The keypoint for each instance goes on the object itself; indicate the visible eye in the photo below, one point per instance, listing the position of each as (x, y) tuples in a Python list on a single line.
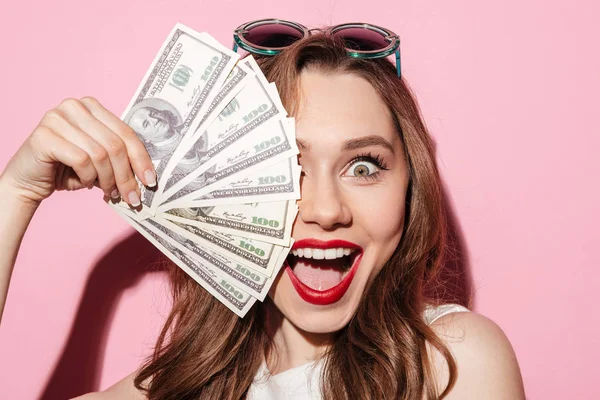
[(361, 169), (365, 166)]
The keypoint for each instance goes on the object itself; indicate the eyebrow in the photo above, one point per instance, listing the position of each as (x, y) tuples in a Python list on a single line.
[(353, 144)]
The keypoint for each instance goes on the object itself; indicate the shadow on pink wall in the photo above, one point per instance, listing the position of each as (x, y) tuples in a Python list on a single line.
[(79, 366)]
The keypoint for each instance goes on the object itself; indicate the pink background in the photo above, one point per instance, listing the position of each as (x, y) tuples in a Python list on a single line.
[(508, 88)]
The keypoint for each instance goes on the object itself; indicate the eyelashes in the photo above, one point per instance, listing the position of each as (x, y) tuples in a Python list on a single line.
[(374, 159)]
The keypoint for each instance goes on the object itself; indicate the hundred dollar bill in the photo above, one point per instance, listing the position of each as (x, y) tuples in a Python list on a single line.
[(275, 91), (259, 256), (225, 95), (250, 281), (269, 222), (224, 289), (251, 109), (277, 182), (186, 157), (275, 142), (177, 88)]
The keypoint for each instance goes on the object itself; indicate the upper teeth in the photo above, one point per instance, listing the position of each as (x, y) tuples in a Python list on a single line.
[(320, 254)]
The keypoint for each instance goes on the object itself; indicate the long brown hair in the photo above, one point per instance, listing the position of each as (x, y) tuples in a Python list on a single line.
[(206, 352)]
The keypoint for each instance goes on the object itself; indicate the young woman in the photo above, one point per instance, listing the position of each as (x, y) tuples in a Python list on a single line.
[(356, 327)]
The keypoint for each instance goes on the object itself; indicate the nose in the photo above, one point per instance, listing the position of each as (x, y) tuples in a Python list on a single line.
[(323, 203), (153, 120)]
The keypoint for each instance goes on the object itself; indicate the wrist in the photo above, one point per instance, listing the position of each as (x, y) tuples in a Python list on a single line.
[(12, 198)]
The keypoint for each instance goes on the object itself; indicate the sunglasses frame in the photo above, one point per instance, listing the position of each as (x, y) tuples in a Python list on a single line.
[(239, 39)]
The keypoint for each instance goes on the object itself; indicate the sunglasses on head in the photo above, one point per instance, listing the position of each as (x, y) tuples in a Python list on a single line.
[(268, 37)]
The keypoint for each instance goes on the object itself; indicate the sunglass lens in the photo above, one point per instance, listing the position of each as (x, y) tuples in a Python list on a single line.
[(273, 35), (362, 39)]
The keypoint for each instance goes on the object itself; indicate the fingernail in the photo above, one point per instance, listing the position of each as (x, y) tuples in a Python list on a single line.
[(150, 178), (134, 199), (115, 194)]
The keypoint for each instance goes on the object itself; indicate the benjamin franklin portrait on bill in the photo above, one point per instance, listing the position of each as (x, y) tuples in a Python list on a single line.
[(157, 123)]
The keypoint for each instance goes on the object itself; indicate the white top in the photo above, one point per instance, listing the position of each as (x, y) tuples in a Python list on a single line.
[(302, 382)]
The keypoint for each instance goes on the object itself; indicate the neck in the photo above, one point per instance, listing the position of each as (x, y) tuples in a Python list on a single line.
[(292, 346)]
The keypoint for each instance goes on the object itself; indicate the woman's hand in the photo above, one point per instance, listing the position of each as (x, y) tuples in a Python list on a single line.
[(80, 144)]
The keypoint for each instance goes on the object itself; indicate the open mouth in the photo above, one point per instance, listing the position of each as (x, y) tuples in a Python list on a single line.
[(321, 272)]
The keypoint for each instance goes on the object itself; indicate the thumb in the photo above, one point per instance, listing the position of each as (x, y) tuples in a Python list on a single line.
[(69, 181)]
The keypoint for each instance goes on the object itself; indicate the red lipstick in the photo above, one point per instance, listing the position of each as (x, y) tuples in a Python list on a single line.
[(334, 294), (321, 244)]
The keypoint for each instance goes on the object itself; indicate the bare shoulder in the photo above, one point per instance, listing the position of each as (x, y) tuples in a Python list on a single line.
[(122, 390), (486, 362)]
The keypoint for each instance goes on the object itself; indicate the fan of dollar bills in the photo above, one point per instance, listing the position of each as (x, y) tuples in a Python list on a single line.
[(225, 155)]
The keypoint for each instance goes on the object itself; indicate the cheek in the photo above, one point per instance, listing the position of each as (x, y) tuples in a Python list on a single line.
[(381, 214), (146, 133), (160, 131), (381, 219)]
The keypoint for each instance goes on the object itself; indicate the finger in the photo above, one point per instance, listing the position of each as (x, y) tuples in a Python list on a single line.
[(115, 147), (54, 147), (60, 123), (70, 180), (138, 155), (67, 179)]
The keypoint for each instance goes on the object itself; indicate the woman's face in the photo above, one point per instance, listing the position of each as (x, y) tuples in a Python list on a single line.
[(353, 201)]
